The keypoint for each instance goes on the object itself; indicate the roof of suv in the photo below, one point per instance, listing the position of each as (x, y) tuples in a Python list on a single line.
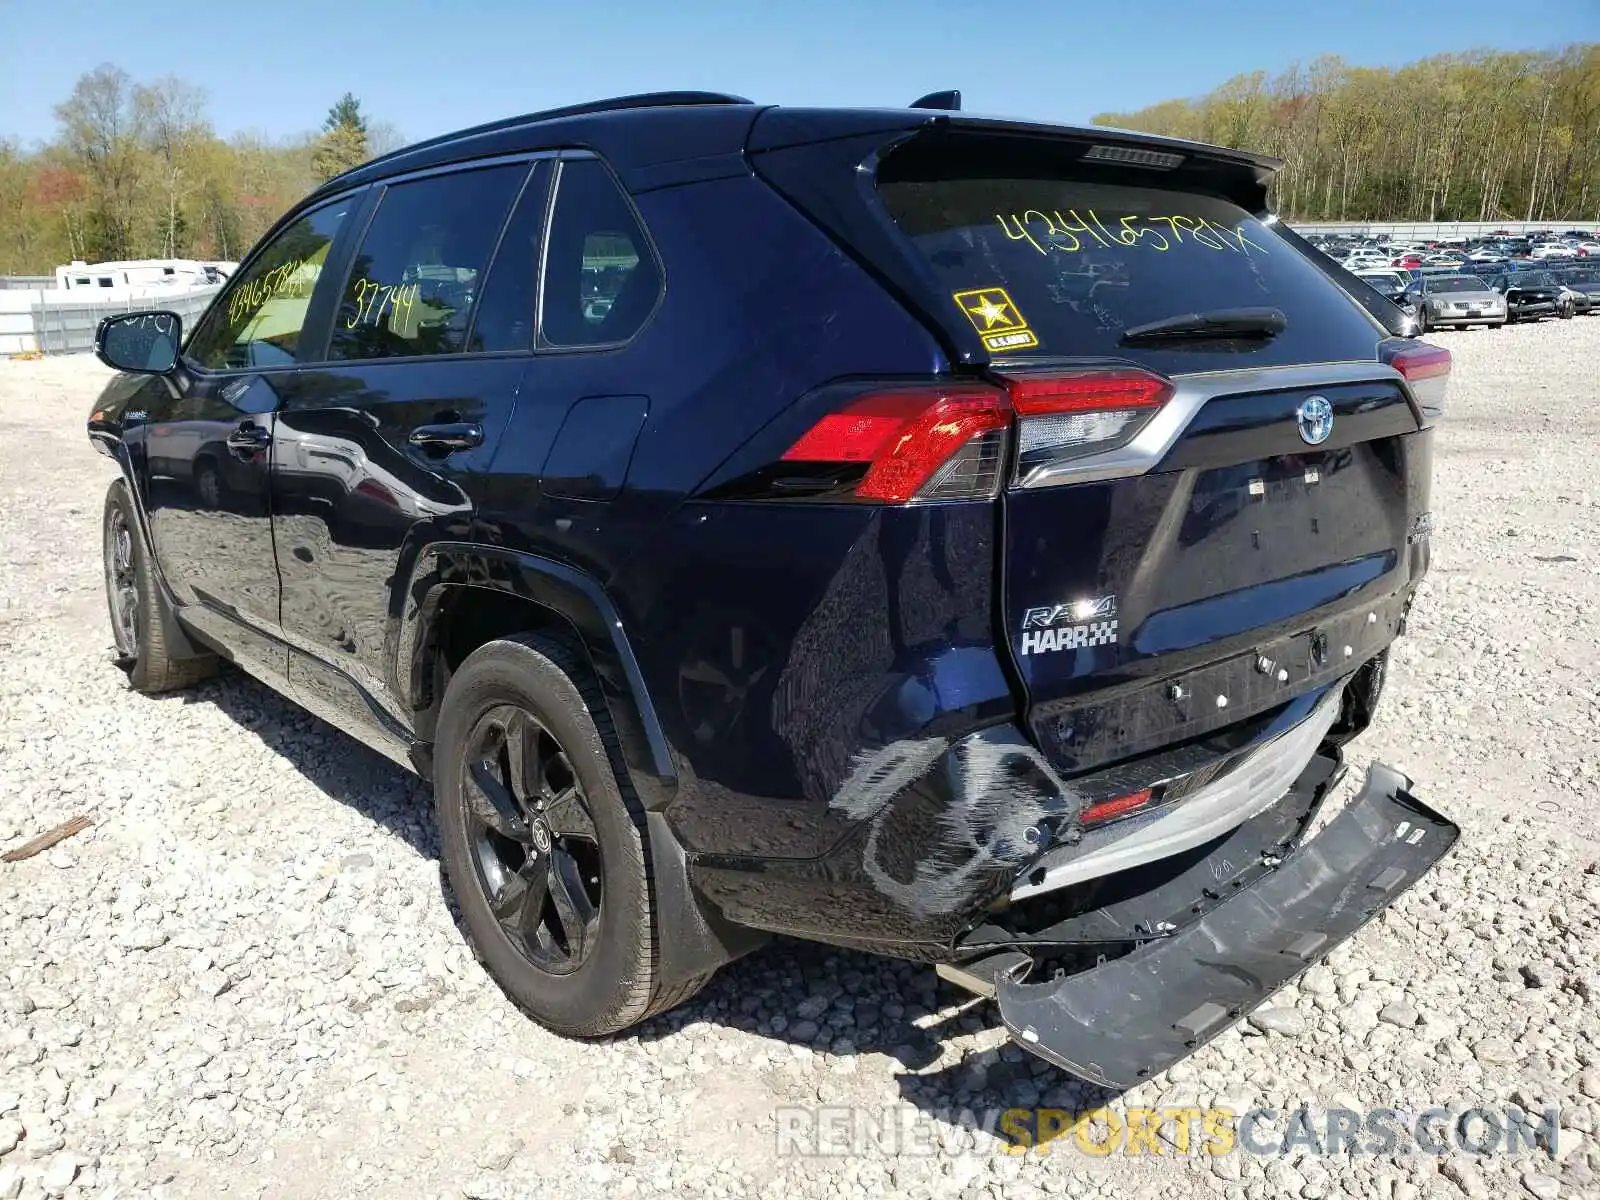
[(657, 128)]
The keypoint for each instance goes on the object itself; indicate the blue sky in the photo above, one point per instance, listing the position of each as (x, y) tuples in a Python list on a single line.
[(429, 66)]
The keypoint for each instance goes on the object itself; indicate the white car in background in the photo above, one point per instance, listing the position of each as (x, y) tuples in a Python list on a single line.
[(1552, 250)]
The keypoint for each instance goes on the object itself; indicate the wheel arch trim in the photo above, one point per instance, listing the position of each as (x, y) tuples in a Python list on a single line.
[(178, 642), (573, 596)]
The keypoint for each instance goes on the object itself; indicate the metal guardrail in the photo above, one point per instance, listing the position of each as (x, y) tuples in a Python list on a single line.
[(70, 328), (26, 283), (1424, 231)]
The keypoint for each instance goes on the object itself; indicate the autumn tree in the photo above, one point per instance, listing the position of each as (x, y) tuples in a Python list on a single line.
[(101, 130)]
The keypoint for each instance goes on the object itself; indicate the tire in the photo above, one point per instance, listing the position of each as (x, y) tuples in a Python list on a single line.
[(137, 608), (1422, 320), (495, 861), (208, 486)]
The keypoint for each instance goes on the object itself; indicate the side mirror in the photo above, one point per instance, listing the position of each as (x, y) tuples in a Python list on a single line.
[(143, 342)]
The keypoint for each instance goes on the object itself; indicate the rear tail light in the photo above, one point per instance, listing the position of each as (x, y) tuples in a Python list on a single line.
[(1067, 416), (1427, 370), (951, 441), (919, 443)]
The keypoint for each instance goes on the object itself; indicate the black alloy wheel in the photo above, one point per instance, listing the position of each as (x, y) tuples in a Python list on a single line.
[(532, 838), (134, 602), (122, 584), (544, 842)]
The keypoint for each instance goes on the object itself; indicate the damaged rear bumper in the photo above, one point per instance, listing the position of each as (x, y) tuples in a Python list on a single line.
[(1126, 1019)]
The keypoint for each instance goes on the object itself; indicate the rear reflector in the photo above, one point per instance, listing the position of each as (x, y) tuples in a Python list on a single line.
[(1086, 391), (1068, 416), (940, 442), (1120, 806), (1427, 370)]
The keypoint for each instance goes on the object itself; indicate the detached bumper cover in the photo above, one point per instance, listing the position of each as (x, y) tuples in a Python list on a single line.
[(1119, 1023)]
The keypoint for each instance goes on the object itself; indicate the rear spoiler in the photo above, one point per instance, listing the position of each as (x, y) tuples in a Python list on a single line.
[(780, 127)]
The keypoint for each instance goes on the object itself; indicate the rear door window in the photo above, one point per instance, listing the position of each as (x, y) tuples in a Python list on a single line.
[(416, 274), (1063, 262), (504, 321)]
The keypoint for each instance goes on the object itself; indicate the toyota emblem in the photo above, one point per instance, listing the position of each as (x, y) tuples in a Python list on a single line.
[(1315, 418)]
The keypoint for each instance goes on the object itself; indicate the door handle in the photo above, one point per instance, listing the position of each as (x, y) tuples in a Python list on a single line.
[(447, 437), (249, 437)]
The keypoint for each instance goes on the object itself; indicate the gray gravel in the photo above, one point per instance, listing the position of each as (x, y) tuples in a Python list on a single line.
[(245, 978)]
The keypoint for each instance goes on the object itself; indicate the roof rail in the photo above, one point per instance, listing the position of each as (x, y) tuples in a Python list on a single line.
[(615, 104)]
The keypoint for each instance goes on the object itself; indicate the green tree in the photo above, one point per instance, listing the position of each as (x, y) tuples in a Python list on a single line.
[(1490, 135), (343, 143), (172, 114)]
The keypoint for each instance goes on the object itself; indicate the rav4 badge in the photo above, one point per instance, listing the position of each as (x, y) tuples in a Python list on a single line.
[(1070, 626)]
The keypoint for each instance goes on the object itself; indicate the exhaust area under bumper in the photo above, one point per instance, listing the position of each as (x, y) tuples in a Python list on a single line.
[(1131, 1017)]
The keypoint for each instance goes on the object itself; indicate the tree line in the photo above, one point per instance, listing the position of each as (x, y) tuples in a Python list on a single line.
[(1485, 136), (137, 171)]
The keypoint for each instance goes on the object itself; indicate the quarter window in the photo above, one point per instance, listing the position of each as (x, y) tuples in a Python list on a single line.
[(413, 280), (258, 320), (601, 281)]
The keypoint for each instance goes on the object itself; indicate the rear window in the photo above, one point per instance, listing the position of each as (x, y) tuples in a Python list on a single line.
[(1063, 263), (1452, 283)]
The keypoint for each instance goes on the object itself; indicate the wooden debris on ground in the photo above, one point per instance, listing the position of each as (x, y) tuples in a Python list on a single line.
[(47, 839)]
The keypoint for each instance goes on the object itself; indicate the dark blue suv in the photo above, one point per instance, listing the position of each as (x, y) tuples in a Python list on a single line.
[(963, 539)]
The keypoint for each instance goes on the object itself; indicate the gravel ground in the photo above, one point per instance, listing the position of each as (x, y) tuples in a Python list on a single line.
[(246, 978)]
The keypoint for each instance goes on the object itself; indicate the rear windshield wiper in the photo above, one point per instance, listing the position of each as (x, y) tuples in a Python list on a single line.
[(1217, 323)]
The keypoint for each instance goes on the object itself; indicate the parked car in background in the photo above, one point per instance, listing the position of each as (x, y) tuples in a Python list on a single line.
[(1529, 295), (1390, 284), (1453, 300), (1573, 302), (1546, 250), (1488, 254), (1585, 280), (1026, 610), (1588, 249)]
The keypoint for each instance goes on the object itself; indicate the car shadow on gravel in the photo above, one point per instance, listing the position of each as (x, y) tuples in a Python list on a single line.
[(845, 1003), (332, 761), (838, 1003)]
